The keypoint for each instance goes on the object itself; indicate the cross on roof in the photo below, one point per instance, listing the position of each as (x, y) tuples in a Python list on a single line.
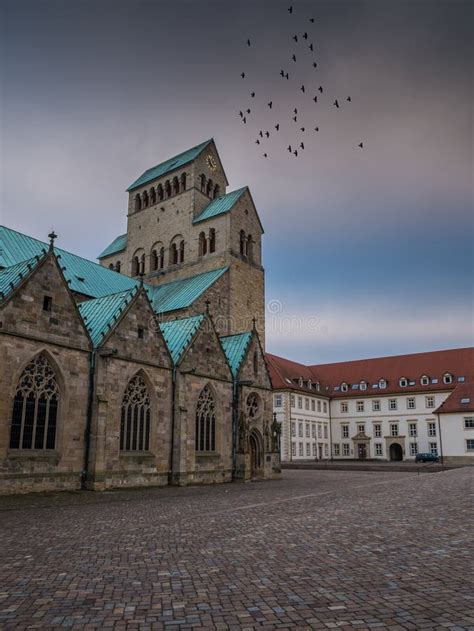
[(52, 236)]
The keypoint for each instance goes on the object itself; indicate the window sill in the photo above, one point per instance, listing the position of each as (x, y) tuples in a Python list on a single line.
[(211, 455), (47, 455), (137, 455)]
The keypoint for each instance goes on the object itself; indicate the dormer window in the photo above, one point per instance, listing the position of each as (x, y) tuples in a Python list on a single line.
[(310, 384), (363, 385), (318, 386), (300, 382), (382, 384), (344, 387), (447, 378), (403, 382), (425, 381)]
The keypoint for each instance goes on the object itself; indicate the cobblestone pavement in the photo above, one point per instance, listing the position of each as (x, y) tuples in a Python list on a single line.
[(316, 550)]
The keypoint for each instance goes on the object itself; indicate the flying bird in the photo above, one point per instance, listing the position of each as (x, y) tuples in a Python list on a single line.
[(252, 94), (260, 133), (316, 129), (244, 120), (270, 103), (286, 75), (311, 47), (243, 75), (248, 42), (320, 89), (295, 37), (336, 103), (257, 142), (295, 118), (294, 57), (290, 10), (315, 99), (277, 126), (295, 111), (302, 128), (311, 20), (267, 134), (315, 65), (282, 72), (302, 89), (361, 145), (241, 115), (349, 99), (305, 35), (265, 155), (302, 145), (248, 111), (289, 148), (295, 152)]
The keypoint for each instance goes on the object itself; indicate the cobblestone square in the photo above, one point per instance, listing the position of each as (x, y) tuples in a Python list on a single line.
[(315, 550)]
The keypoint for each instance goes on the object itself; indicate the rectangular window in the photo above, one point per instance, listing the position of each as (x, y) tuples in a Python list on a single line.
[(325, 431), (430, 402), (411, 403), (300, 403), (378, 449), (300, 429), (360, 406), (413, 449), (306, 403), (412, 431), (434, 449), (313, 430), (393, 429), (308, 430), (292, 400), (278, 400), (376, 405), (325, 406), (336, 450), (314, 449), (313, 405), (320, 432), (308, 449), (47, 303), (469, 422), (344, 407), (301, 450), (141, 333), (326, 451), (293, 449), (361, 428), (431, 429), (392, 404), (345, 431), (377, 430), (293, 428), (319, 406), (470, 444), (346, 449)]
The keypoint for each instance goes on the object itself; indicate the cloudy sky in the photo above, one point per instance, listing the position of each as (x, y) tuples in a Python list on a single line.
[(367, 252)]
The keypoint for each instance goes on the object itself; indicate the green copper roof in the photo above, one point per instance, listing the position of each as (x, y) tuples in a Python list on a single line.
[(235, 348), (178, 335), (180, 294), (85, 277), (11, 277), (169, 165), (220, 205), (118, 245), (100, 314)]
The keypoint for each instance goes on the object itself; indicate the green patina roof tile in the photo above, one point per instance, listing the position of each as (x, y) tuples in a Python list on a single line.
[(178, 335), (169, 165), (220, 205), (100, 314), (235, 347), (118, 245), (11, 277)]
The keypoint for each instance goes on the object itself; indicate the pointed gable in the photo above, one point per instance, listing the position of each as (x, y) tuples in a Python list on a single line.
[(178, 335), (101, 314), (220, 206), (235, 348), (11, 277)]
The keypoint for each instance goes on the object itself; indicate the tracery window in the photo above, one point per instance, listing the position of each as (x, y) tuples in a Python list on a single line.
[(205, 421), (253, 406), (135, 417), (35, 407)]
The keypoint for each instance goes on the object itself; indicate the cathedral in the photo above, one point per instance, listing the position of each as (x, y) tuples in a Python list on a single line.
[(149, 367)]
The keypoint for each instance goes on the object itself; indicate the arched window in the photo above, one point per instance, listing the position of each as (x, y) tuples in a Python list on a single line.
[(175, 186), (167, 188), (212, 240), (203, 183), (135, 417), (181, 251), (249, 247), (217, 190), (159, 192), (344, 387), (35, 407), (161, 258), (243, 243), (202, 244), (118, 266), (152, 196), (205, 421), (142, 264), (111, 266), (135, 266), (138, 202), (447, 378), (154, 260), (209, 187), (183, 182), (173, 254), (145, 199)]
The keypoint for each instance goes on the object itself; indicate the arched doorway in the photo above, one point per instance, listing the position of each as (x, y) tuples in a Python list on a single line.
[(396, 452), (256, 454)]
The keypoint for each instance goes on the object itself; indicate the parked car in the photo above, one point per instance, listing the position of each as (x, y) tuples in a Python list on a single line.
[(426, 458)]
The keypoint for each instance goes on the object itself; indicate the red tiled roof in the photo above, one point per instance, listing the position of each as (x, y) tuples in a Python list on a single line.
[(461, 399), (458, 362)]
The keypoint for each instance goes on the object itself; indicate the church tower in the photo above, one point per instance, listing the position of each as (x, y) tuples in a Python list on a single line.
[(182, 222)]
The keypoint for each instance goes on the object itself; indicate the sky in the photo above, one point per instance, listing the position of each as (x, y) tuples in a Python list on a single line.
[(367, 252)]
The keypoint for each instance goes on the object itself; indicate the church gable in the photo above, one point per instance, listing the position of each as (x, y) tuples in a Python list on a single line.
[(42, 306), (205, 355), (253, 366)]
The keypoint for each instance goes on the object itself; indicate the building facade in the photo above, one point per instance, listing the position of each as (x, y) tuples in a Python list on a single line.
[(390, 408), (149, 368)]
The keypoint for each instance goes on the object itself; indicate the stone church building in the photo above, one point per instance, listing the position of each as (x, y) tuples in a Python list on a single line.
[(148, 368)]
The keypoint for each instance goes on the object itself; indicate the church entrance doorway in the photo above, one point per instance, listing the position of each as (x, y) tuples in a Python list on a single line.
[(362, 451), (256, 454), (396, 452)]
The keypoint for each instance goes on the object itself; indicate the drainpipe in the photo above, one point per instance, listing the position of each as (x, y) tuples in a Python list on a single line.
[(173, 418), (330, 432), (440, 440), (235, 417), (87, 437)]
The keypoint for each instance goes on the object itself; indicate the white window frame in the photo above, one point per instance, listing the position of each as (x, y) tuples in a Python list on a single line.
[(431, 429), (433, 448), (376, 405), (430, 401), (344, 407), (413, 449), (392, 404), (411, 403), (378, 449), (413, 429), (336, 449), (394, 430), (377, 430), (346, 449), (469, 422), (345, 431)]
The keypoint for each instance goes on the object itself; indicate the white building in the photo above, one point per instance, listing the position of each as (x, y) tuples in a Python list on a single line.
[(389, 408)]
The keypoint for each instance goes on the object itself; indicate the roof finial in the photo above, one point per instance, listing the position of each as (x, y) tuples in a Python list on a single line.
[(207, 302), (52, 236), (254, 323)]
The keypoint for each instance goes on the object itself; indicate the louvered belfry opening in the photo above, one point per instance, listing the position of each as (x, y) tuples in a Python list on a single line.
[(135, 416), (35, 407)]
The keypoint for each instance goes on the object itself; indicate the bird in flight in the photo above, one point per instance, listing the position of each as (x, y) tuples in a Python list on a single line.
[(252, 94), (302, 128), (295, 37), (290, 10), (265, 155), (311, 20), (286, 75), (277, 126), (316, 129), (305, 35), (257, 142), (244, 120), (267, 134), (349, 99), (243, 75), (248, 42), (302, 89), (282, 73), (248, 111), (295, 152), (295, 118), (311, 47), (295, 111), (294, 57), (315, 65), (289, 148), (315, 99), (320, 89), (361, 145), (270, 103), (241, 115), (336, 103), (260, 133), (302, 145)]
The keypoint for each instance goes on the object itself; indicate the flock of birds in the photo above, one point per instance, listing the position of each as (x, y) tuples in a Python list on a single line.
[(245, 114)]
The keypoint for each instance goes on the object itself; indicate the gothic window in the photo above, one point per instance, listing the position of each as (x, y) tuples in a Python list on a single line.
[(135, 266), (154, 260), (35, 407), (181, 251), (212, 240), (243, 243), (205, 421), (138, 202), (135, 417), (209, 187), (173, 254), (202, 244), (253, 407), (142, 264), (183, 182), (145, 199), (167, 188), (216, 190), (161, 258), (203, 183), (152, 197), (160, 192)]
